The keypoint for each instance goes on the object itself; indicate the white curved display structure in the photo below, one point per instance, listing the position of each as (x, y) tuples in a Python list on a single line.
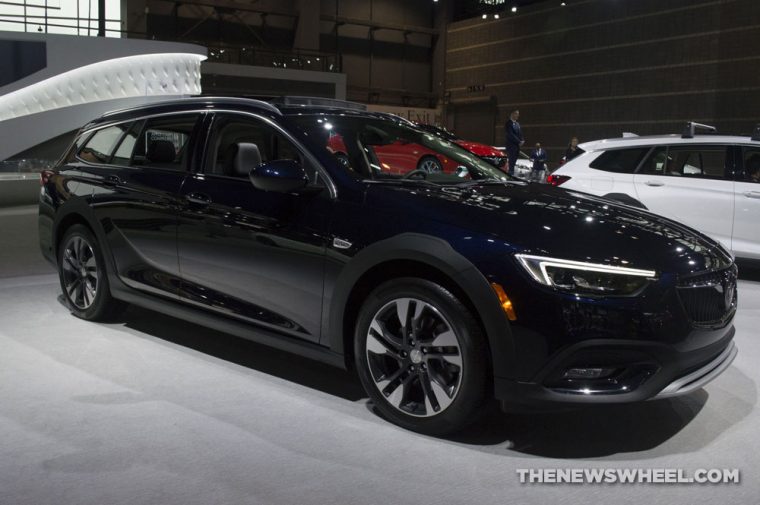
[(172, 74)]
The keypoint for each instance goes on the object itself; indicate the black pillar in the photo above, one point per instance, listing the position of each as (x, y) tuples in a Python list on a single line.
[(101, 18)]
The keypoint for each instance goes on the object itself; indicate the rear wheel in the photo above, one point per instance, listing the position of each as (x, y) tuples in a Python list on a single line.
[(420, 355), (83, 277)]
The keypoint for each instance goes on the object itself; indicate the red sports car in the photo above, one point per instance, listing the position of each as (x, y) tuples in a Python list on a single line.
[(492, 155), (398, 157)]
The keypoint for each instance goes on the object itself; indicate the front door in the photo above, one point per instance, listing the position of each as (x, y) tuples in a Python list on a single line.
[(254, 255), (746, 239), (692, 184)]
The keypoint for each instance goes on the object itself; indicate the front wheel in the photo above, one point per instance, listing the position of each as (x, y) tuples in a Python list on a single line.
[(83, 277), (430, 164), (420, 355)]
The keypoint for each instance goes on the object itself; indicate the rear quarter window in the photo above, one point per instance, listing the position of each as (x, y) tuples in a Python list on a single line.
[(621, 161), (101, 144)]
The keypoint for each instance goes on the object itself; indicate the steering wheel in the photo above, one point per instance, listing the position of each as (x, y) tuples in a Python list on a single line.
[(416, 172)]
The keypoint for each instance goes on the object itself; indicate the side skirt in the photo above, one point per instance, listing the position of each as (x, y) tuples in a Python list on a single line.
[(249, 332)]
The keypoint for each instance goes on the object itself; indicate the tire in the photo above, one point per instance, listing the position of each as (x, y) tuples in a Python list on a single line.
[(83, 276), (408, 378), (343, 159), (430, 164)]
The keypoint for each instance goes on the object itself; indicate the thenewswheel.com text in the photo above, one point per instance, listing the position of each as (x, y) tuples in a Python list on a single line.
[(627, 476)]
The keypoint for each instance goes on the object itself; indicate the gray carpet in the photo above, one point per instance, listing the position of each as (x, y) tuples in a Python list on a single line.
[(153, 410)]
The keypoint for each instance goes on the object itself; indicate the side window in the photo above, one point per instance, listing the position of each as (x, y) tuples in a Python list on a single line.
[(164, 142), (123, 153), (656, 161), (622, 161), (239, 145), (100, 145), (708, 162), (73, 152), (751, 158), (703, 162)]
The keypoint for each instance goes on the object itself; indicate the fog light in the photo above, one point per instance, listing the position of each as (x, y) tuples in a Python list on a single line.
[(588, 373), (506, 303)]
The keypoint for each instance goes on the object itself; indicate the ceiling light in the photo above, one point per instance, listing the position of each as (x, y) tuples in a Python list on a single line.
[(496, 16), (485, 16), (514, 8)]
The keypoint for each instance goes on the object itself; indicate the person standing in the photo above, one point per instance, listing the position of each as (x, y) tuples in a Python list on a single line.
[(514, 139), (538, 156), (572, 150)]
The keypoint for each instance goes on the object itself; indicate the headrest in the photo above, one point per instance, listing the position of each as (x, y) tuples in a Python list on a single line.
[(246, 158), (161, 151)]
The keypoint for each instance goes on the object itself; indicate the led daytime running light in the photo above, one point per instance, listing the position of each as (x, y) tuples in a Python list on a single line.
[(529, 262)]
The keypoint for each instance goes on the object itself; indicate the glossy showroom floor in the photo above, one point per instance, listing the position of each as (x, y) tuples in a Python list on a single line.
[(155, 411)]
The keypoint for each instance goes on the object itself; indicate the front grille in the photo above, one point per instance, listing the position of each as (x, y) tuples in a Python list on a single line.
[(709, 299)]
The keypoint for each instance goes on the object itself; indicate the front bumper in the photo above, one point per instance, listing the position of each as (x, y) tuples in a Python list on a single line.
[(645, 371), (701, 376)]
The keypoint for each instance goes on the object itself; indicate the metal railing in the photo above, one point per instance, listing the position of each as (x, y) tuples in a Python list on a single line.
[(25, 166), (264, 57)]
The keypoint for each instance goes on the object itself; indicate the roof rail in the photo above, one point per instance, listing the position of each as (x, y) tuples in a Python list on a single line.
[(629, 134), (691, 127), (394, 117), (756, 133), (200, 100), (311, 101)]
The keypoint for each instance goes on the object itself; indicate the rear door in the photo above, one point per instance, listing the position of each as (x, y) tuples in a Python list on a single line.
[(690, 183), (133, 190), (746, 237)]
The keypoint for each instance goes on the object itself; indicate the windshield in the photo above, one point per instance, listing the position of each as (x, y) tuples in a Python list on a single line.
[(383, 149)]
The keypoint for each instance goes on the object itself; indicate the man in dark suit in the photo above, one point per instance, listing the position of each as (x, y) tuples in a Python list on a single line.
[(538, 157), (514, 139)]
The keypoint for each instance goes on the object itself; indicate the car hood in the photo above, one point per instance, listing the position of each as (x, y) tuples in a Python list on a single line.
[(549, 221), (479, 149)]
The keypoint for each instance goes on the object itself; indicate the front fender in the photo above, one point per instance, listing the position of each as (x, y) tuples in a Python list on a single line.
[(438, 254)]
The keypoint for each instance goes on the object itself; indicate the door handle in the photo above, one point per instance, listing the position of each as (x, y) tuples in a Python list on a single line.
[(752, 194), (112, 180), (654, 183), (198, 199)]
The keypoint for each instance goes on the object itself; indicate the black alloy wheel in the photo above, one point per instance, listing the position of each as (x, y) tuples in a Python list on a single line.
[(421, 356)]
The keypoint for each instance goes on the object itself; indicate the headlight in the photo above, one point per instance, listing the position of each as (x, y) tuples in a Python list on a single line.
[(585, 278)]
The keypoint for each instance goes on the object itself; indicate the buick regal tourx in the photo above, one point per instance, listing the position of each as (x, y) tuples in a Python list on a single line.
[(441, 290)]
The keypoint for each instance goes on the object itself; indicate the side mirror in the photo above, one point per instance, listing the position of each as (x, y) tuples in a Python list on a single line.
[(281, 176)]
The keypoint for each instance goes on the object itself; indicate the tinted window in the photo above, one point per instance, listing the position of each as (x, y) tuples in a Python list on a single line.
[(622, 161), (100, 145), (239, 144), (751, 157), (124, 152), (164, 142), (708, 162)]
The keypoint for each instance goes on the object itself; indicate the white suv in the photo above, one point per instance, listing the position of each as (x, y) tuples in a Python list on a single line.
[(709, 182)]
